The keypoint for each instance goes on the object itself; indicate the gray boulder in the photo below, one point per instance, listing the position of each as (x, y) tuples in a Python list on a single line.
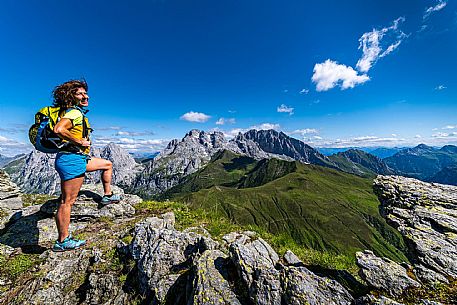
[(383, 273), (210, 285), (301, 286), (255, 263), (163, 255)]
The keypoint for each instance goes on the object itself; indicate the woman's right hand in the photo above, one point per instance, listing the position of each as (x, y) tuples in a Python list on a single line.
[(84, 142)]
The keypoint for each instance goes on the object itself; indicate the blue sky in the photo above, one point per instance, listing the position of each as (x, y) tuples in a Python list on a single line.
[(331, 73)]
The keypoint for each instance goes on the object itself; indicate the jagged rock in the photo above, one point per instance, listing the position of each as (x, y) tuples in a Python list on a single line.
[(255, 263), (105, 289), (61, 274), (163, 255), (210, 285), (10, 200), (425, 214), (372, 300), (383, 273), (291, 259), (429, 276), (301, 286)]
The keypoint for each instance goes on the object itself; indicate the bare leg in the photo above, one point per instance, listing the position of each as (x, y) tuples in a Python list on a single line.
[(70, 190), (107, 167)]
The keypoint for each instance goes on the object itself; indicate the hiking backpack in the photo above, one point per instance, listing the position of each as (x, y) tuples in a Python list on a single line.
[(42, 135)]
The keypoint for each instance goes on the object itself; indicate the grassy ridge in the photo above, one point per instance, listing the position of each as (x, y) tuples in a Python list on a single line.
[(316, 207)]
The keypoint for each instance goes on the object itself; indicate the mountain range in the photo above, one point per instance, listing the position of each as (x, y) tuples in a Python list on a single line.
[(151, 176)]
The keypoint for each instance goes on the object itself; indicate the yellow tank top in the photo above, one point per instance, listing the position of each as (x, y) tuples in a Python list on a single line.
[(76, 118)]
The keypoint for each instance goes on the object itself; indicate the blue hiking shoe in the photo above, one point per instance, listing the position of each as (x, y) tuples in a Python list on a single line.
[(68, 244), (108, 199)]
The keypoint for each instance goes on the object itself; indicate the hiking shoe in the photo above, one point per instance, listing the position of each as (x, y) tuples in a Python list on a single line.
[(108, 199), (68, 244)]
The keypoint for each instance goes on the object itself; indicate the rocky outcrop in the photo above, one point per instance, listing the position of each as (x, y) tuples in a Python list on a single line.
[(10, 200), (425, 214), (191, 268)]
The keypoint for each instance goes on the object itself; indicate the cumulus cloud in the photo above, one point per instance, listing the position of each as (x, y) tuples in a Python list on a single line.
[(438, 7), (303, 132), (223, 121), (379, 43), (195, 117), (304, 91), (440, 87), (266, 126), (286, 109), (450, 127), (330, 73)]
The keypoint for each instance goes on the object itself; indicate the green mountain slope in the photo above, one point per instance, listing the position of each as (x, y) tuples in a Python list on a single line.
[(318, 207), (422, 162), (360, 163)]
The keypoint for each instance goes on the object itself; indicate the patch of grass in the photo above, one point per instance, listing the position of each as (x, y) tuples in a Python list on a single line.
[(36, 199), (446, 294), (14, 266), (186, 217), (3, 213), (127, 239)]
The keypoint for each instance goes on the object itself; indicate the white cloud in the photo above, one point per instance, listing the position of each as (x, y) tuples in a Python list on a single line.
[(438, 7), (195, 117), (303, 132), (132, 144), (329, 74), (12, 147), (266, 126), (418, 136), (223, 121), (374, 47), (440, 87), (133, 133), (284, 108), (442, 135), (304, 91), (450, 127)]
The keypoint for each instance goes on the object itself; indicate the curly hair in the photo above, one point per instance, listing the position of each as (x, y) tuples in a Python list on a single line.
[(64, 94)]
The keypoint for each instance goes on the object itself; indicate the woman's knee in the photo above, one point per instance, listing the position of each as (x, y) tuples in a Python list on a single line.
[(109, 164)]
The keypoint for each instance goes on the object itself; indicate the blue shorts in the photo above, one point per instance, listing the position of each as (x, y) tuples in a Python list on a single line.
[(71, 165)]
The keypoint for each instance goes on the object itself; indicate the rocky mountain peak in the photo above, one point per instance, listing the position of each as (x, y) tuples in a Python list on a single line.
[(278, 143)]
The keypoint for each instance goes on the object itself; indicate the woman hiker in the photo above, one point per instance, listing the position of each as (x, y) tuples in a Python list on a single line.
[(73, 160)]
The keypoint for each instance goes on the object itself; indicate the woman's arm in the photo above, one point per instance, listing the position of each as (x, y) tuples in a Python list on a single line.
[(62, 130)]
